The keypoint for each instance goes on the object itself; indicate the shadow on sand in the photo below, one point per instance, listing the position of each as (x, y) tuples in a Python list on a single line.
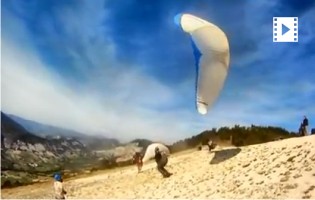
[(223, 155)]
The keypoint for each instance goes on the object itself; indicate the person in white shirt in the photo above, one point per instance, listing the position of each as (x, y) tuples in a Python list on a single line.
[(59, 190)]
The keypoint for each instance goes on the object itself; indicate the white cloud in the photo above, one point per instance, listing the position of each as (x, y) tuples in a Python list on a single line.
[(120, 103), (31, 91)]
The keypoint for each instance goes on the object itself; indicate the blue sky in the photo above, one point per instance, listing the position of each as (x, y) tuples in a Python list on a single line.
[(124, 69)]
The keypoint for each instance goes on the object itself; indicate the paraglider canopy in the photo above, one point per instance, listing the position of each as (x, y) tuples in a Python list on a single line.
[(212, 56), (150, 151)]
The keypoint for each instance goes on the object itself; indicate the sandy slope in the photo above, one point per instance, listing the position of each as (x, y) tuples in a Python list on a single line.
[(282, 169)]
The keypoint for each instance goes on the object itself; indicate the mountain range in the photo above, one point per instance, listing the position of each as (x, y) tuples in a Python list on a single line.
[(47, 131), (30, 149)]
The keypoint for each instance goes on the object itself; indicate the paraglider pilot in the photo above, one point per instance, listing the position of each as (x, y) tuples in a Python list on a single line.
[(161, 161), (137, 158)]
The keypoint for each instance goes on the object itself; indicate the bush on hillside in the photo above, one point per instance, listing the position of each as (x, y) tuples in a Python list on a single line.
[(237, 135)]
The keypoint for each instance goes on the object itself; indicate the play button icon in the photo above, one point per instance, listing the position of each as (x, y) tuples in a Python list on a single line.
[(285, 29)]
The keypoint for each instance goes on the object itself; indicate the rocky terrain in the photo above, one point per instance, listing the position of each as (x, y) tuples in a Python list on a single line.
[(25, 156), (28, 158), (283, 169), (94, 142)]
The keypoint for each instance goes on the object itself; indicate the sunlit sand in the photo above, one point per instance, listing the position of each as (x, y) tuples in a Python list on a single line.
[(281, 169)]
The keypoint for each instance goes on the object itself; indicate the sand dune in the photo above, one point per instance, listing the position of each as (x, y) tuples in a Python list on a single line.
[(281, 169)]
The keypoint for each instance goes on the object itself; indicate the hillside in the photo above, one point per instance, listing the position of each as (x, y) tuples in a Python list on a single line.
[(28, 155), (235, 136), (93, 142), (24, 156), (44, 130), (278, 170)]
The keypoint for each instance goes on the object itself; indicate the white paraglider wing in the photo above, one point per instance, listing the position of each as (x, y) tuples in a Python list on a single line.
[(212, 56), (150, 151)]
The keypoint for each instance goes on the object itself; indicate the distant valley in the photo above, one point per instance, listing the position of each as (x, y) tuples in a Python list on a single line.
[(30, 150)]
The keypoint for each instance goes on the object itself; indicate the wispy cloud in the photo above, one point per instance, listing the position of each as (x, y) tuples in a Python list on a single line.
[(127, 110), (94, 67), (123, 103)]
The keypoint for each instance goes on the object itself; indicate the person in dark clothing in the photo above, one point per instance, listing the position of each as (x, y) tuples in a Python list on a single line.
[(137, 158), (161, 161), (305, 125)]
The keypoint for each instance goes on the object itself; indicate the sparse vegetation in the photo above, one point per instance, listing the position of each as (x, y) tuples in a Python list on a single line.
[(237, 136), (22, 161)]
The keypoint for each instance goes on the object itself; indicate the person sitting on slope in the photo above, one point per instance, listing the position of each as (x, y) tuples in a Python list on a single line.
[(161, 161)]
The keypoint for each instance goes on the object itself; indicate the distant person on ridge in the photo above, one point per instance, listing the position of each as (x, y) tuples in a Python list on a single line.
[(137, 158), (59, 192), (161, 161), (305, 125)]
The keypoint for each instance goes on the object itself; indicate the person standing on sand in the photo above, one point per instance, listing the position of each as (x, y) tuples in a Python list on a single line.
[(137, 158), (305, 125), (59, 192), (161, 161)]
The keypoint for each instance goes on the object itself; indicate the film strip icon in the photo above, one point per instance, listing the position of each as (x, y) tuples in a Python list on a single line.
[(285, 29)]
